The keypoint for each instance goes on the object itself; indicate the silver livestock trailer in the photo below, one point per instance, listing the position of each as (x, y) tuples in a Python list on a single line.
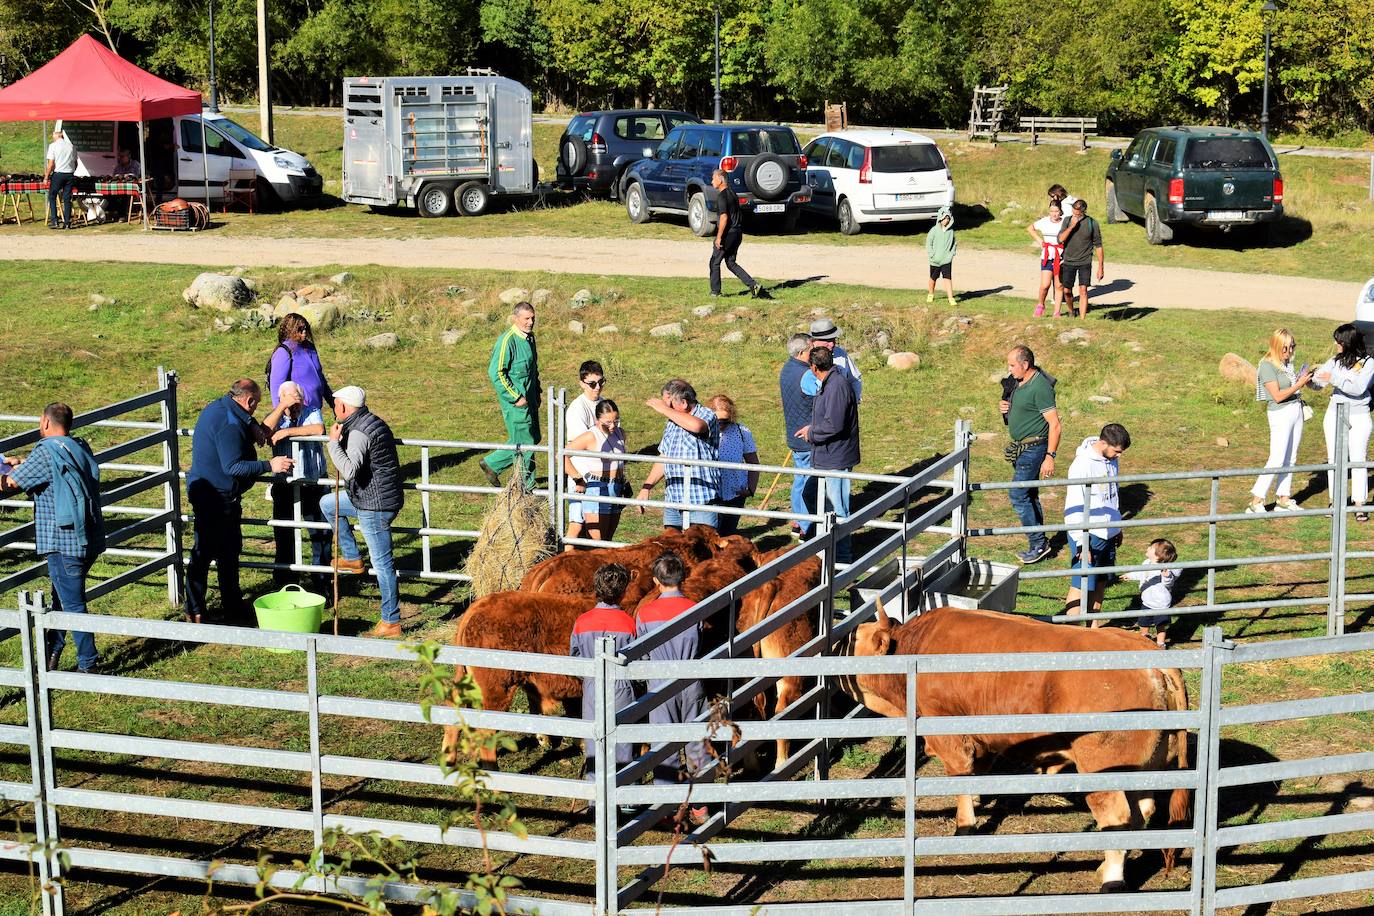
[(437, 143)]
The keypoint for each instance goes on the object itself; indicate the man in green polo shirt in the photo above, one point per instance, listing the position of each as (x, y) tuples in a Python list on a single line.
[(1033, 424), (514, 373)]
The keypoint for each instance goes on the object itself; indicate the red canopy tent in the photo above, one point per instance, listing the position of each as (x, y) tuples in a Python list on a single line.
[(89, 82)]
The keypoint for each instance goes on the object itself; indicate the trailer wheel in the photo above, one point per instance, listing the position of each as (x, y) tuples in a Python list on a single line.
[(435, 200), (472, 198)]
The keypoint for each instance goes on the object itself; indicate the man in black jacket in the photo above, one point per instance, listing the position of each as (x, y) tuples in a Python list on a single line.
[(834, 436), (364, 452)]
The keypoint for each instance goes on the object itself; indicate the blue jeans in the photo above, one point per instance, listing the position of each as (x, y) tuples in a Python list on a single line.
[(803, 489), (1103, 553), (68, 577), (60, 185), (837, 501), (376, 527), (672, 518), (1026, 500)]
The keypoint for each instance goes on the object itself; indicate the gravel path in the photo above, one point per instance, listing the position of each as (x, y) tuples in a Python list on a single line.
[(887, 266)]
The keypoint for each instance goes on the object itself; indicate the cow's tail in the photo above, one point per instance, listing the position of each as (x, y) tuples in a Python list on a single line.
[(1180, 800)]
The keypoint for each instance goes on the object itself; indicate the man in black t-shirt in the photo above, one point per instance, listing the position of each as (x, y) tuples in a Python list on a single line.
[(729, 233)]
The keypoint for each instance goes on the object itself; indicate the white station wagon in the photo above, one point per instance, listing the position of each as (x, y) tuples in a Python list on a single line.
[(876, 176)]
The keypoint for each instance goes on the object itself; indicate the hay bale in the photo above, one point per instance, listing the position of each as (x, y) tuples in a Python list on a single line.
[(514, 536)]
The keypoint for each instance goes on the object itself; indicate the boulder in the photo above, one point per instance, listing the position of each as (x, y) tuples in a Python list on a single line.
[(313, 293), (582, 295), (608, 329), (733, 337), (451, 337), (382, 341), (342, 278), (540, 297), (321, 315), (672, 329), (576, 327), (903, 361), (98, 300), (1223, 442), (1069, 336), (513, 295), (222, 324), (218, 291), (1235, 368), (882, 341), (703, 311), (1100, 399)]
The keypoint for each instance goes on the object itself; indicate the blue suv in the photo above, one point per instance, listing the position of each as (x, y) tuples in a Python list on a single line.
[(763, 164)]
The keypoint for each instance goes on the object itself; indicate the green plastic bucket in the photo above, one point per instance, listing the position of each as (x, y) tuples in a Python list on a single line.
[(291, 610)]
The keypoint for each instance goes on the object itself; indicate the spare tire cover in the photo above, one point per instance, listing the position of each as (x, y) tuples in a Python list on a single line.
[(767, 176), (573, 154)]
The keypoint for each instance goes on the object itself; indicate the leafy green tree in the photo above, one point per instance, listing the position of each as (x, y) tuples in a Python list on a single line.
[(1324, 63), (1219, 56)]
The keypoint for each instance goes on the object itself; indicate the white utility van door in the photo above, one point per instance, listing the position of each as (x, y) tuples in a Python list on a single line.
[(224, 155)]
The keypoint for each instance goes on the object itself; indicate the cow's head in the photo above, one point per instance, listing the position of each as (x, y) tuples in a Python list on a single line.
[(874, 638)]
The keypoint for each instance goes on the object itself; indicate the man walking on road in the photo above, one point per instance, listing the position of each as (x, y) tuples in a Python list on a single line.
[(1080, 238), (514, 373), (729, 233), (1033, 424), (224, 466)]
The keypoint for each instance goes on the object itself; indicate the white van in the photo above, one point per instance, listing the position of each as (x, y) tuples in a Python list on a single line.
[(876, 176), (282, 175)]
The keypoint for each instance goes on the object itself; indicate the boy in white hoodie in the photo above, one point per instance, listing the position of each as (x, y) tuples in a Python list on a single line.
[(1096, 458), (1156, 589)]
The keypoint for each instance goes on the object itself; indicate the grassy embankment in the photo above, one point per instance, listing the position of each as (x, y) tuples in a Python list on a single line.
[(1000, 190), (1159, 370)]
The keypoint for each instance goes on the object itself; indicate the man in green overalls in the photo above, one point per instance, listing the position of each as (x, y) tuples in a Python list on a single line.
[(514, 373)]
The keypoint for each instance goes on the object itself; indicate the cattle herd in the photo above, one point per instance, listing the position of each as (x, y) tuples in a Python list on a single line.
[(539, 618)]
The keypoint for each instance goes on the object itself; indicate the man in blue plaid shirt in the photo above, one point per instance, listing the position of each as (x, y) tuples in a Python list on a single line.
[(691, 431), (68, 530)]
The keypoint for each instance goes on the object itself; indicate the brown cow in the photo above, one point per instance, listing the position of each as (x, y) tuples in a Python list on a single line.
[(733, 561), (765, 601), (571, 573), (951, 631), (519, 622)]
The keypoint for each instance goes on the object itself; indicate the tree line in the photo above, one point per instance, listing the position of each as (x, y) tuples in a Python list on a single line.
[(1127, 62)]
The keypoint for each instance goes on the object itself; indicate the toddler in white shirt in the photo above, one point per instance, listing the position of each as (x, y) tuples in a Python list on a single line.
[(1156, 589)]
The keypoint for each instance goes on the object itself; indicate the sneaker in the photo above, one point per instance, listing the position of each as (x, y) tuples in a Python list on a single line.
[(353, 567), (1361, 516), (930, 297), (491, 475), (54, 660), (1039, 311), (1256, 509), (93, 668), (1033, 555), (384, 630), (758, 292), (1287, 505)]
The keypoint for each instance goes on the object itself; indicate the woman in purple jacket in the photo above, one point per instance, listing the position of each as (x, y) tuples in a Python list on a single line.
[(296, 359)]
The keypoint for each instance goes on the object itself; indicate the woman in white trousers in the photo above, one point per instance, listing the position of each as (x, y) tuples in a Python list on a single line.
[(1348, 374), (1279, 385)]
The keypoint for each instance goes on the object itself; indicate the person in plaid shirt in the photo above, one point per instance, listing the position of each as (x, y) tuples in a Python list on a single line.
[(68, 529), (691, 431)]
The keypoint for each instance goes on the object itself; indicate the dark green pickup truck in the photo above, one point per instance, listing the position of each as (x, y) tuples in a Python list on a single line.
[(1200, 176)]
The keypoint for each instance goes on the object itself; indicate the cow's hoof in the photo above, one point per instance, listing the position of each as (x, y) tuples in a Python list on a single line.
[(544, 741), (1114, 887), (970, 830)]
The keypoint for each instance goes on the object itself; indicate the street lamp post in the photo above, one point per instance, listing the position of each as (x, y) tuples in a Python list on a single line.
[(214, 92), (718, 114), (1268, 10)]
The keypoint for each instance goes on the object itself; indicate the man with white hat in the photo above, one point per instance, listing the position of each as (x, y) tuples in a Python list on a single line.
[(825, 334), (363, 451)]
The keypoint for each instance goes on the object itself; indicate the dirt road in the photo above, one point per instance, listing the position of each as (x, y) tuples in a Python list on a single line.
[(888, 266)]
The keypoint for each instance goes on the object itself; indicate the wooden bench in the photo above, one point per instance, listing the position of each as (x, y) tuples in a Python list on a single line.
[(1081, 126)]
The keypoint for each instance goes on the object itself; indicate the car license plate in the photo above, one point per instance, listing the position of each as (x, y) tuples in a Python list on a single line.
[(908, 198), (770, 208), (1226, 216)]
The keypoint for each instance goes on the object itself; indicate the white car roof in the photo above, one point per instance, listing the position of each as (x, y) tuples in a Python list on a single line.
[(871, 137)]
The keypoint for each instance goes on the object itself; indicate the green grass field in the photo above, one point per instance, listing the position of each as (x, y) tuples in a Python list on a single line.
[(1158, 369), (1000, 190)]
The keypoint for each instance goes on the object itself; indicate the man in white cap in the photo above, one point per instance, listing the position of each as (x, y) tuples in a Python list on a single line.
[(824, 334), (364, 453), (59, 172)]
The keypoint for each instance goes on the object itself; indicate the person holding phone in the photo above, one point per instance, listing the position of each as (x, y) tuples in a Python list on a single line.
[(1279, 385), (599, 476), (1348, 374)]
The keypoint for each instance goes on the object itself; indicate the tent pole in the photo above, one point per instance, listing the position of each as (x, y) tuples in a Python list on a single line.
[(143, 168), (205, 161)]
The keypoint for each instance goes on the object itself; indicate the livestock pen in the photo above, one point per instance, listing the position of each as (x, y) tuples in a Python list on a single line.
[(301, 760)]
